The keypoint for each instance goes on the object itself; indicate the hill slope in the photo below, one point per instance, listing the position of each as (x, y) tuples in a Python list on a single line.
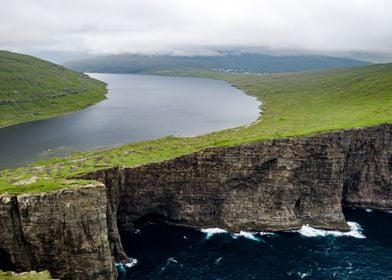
[(294, 104), (31, 89), (254, 63)]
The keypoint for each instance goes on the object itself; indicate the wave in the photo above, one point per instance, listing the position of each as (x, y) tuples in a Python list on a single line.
[(266, 233), (302, 275), (123, 266), (247, 235), (212, 231), (168, 262), (355, 231), (218, 260), (171, 260)]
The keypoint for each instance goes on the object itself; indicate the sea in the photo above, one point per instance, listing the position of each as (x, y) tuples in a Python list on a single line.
[(161, 252)]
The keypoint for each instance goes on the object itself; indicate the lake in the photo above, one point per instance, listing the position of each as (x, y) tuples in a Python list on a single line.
[(138, 107)]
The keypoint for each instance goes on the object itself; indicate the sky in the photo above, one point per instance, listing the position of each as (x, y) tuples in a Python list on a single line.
[(190, 27)]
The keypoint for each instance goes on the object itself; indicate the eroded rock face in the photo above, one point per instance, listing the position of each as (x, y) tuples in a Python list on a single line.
[(263, 186), (272, 185), (62, 231), (368, 169)]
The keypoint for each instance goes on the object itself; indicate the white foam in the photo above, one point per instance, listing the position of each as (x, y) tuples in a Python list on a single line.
[(266, 233), (211, 231), (389, 212), (131, 263), (302, 275), (173, 260), (218, 260), (246, 234), (369, 210), (355, 231), (169, 261)]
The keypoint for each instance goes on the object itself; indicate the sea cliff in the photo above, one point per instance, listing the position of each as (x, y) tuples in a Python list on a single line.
[(272, 185)]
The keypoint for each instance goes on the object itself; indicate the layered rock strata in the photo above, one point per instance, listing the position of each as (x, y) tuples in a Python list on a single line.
[(63, 231), (272, 185)]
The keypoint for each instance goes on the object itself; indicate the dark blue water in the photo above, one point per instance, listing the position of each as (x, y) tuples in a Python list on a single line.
[(138, 107), (169, 252)]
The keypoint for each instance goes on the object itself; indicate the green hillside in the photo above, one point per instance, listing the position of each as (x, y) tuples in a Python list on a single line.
[(294, 105), (32, 89)]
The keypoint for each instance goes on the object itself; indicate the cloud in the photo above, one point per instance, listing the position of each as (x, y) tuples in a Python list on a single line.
[(192, 26)]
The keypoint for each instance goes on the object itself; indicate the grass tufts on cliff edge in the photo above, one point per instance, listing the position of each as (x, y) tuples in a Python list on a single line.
[(44, 275), (294, 104), (32, 89)]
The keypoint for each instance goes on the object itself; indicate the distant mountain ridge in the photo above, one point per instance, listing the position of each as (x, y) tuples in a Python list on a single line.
[(242, 63)]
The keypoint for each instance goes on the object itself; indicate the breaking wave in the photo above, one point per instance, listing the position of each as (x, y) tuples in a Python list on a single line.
[(212, 231), (355, 231), (247, 235), (122, 267)]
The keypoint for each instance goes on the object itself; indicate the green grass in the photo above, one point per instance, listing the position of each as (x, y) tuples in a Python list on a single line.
[(294, 105), (32, 89), (44, 275)]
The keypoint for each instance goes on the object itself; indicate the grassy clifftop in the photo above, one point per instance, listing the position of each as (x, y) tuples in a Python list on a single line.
[(294, 105), (44, 275), (31, 89)]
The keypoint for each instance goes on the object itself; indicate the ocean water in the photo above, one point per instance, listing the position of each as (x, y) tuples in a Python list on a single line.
[(170, 252)]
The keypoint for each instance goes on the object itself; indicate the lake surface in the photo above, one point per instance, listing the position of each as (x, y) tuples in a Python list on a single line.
[(138, 107), (169, 252)]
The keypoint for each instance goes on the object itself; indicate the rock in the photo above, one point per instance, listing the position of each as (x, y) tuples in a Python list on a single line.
[(272, 185), (63, 231)]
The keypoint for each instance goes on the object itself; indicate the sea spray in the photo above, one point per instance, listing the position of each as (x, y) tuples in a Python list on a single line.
[(247, 235), (355, 231), (212, 231), (123, 266)]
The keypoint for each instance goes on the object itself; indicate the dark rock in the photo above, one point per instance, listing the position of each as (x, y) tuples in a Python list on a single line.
[(272, 185), (62, 231)]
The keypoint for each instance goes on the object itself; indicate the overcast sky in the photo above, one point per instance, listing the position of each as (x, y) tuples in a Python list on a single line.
[(196, 26)]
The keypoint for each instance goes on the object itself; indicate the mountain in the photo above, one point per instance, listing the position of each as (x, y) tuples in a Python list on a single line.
[(242, 63), (31, 89)]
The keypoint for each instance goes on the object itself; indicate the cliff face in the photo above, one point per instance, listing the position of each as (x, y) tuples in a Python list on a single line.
[(262, 186), (368, 169), (272, 185), (63, 231)]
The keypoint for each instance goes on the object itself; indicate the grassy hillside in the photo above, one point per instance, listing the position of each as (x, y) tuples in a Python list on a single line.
[(294, 105), (254, 63), (25, 276), (32, 89)]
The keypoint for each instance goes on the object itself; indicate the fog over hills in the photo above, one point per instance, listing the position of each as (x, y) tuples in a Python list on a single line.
[(67, 30), (232, 63)]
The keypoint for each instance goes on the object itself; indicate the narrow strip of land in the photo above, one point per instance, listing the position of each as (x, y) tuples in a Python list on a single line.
[(294, 105)]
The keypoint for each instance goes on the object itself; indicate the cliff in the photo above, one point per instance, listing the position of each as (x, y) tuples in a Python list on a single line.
[(271, 185), (63, 231)]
